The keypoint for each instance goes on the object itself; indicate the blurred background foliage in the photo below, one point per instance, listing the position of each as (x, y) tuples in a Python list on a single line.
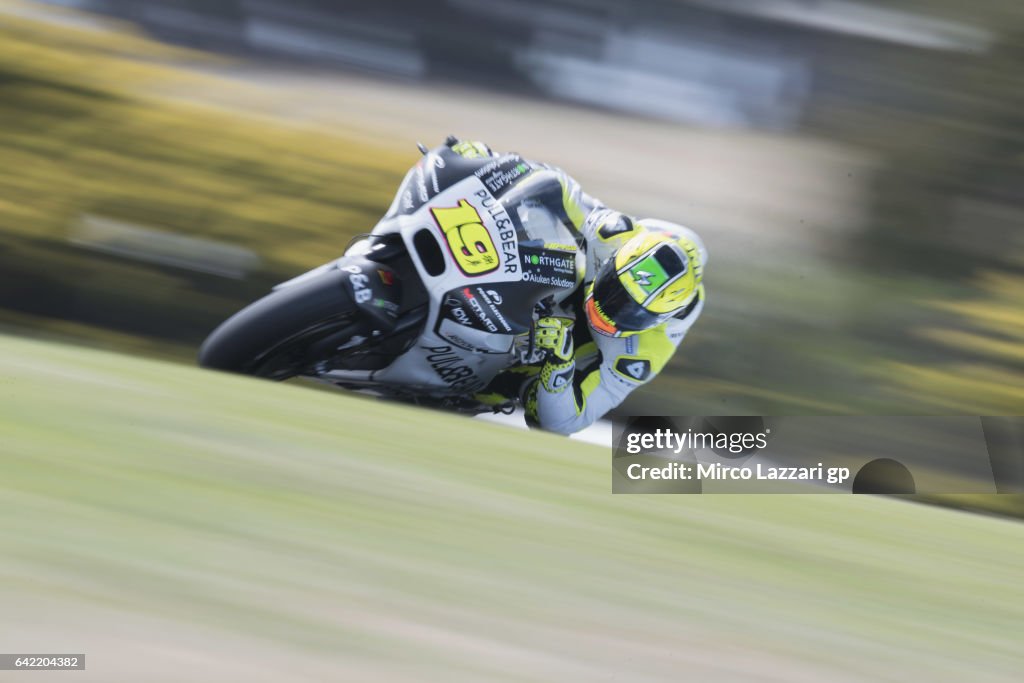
[(75, 142), (127, 164)]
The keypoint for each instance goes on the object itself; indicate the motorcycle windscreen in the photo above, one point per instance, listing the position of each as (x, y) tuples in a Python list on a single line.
[(543, 221)]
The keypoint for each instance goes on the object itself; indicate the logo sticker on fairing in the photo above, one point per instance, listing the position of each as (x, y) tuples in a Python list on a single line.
[(502, 173), (359, 283), (474, 339), (472, 243), (507, 239), (477, 308), (468, 240), (549, 266), (454, 310), (451, 368), (491, 299), (435, 162)]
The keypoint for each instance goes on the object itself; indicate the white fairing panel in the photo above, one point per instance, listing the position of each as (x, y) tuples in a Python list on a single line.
[(478, 240)]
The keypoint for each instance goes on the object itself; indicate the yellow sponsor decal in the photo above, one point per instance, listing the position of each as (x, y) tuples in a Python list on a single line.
[(470, 243)]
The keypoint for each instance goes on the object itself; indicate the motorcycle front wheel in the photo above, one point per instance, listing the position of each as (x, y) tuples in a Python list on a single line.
[(286, 333)]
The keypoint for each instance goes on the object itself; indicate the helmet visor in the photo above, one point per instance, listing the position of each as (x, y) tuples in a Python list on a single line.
[(617, 307)]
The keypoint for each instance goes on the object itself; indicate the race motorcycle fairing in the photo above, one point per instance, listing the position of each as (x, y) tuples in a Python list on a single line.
[(432, 304)]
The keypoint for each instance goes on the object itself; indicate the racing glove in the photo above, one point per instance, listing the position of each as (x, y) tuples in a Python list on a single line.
[(553, 335), (471, 149)]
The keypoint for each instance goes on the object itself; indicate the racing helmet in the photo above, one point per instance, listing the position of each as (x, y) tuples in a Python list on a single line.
[(652, 277)]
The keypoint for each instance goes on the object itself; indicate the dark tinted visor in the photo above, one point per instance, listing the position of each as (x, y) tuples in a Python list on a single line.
[(616, 303)]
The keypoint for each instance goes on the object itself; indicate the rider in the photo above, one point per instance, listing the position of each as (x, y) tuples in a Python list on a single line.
[(640, 295)]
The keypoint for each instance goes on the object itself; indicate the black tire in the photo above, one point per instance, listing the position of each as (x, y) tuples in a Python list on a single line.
[(272, 337)]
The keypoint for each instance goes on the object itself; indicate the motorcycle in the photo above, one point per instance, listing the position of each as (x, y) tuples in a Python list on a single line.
[(431, 305)]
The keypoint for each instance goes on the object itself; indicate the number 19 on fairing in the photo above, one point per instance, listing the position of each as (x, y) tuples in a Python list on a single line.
[(471, 244)]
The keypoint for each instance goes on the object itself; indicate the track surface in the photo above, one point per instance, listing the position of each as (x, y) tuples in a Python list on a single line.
[(179, 525)]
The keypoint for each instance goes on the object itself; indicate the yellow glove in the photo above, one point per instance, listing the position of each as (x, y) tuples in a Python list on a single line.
[(471, 149), (554, 336)]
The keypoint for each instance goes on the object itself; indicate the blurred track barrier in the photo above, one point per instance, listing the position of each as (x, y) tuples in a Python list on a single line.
[(161, 247)]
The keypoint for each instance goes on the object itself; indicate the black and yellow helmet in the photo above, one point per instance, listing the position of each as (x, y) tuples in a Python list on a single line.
[(652, 277)]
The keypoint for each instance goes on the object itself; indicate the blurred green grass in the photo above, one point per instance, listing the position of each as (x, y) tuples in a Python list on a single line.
[(176, 524)]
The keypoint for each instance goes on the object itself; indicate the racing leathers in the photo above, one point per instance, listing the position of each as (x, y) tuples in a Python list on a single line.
[(587, 372)]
